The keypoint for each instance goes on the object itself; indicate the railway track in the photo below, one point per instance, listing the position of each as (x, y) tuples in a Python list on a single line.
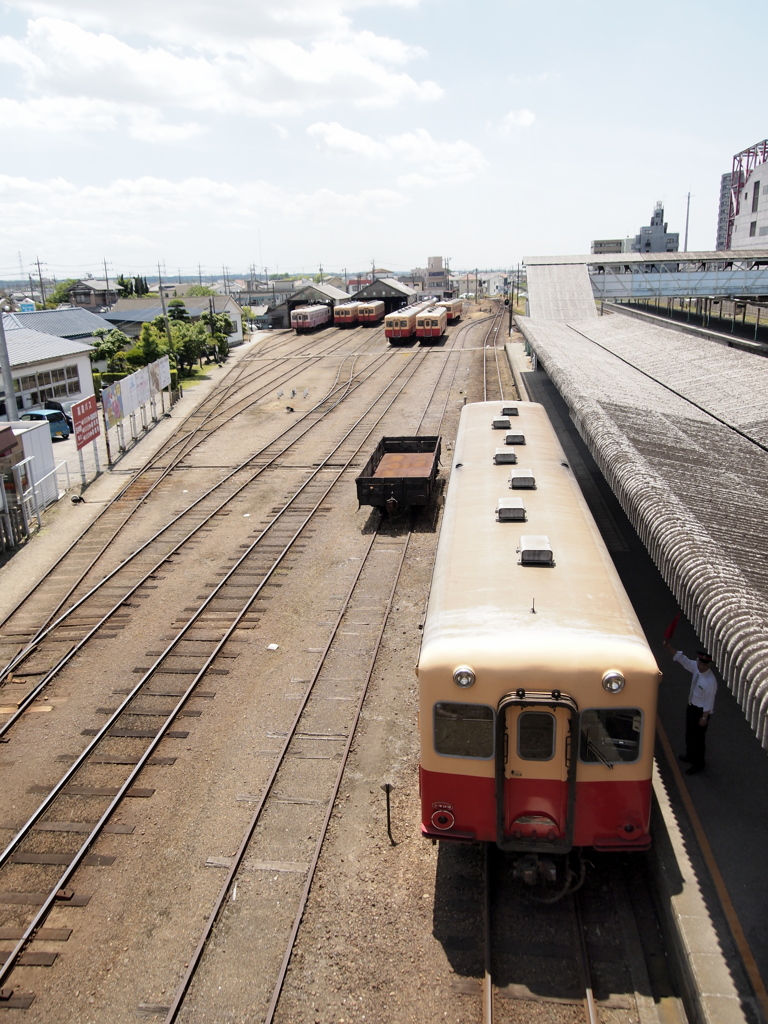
[(168, 689), (590, 956), (60, 583)]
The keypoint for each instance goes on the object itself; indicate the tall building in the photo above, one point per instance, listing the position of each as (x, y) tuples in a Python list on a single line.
[(724, 211), (601, 246), (748, 212), (654, 237)]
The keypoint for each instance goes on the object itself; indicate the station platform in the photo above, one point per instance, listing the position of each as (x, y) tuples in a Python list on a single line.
[(711, 829)]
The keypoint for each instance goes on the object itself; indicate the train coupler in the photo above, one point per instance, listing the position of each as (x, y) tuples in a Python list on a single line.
[(532, 869)]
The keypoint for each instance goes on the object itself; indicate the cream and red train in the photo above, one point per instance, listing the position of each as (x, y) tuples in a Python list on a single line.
[(537, 686), (455, 308), (402, 322), (431, 322), (346, 314), (371, 312), (305, 318)]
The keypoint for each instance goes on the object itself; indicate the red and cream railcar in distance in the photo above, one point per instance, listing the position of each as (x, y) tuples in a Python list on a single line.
[(402, 323), (455, 308), (537, 686), (431, 323), (346, 314), (304, 318), (371, 312)]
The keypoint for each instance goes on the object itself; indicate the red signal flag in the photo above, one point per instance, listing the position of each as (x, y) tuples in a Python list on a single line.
[(669, 632)]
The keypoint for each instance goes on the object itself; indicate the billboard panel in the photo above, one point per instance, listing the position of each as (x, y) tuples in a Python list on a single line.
[(85, 419)]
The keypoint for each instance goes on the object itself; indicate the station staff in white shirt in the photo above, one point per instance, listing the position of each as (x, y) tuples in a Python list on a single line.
[(701, 702)]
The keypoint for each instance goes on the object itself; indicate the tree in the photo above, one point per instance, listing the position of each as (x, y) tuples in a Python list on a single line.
[(199, 291), (220, 325), (178, 311), (110, 346), (60, 293), (190, 342), (150, 343), (125, 287)]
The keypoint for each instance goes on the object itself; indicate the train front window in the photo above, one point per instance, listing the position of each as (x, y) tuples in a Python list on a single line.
[(536, 736), (464, 730), (610, 736)]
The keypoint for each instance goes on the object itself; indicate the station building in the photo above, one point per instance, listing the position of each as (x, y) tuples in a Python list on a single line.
[(44, 366)]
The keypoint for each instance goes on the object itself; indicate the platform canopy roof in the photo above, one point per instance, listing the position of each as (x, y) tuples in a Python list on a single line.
[(724, 256)]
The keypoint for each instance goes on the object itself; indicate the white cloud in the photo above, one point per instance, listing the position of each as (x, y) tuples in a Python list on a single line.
[(132, 218), (444, 161), (184, 22), (253, 73), (516, 119), (78, 115)]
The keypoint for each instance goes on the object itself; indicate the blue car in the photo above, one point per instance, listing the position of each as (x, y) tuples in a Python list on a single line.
[(57, 421)]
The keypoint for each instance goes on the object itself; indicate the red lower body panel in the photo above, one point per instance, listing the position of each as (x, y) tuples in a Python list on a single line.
[(607, 815)]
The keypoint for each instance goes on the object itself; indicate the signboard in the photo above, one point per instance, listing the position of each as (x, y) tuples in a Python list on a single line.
[(142, 385), (85, 419), (112, 401)]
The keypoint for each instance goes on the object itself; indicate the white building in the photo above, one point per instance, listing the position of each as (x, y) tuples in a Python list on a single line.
[(45, 367), (750, 225)]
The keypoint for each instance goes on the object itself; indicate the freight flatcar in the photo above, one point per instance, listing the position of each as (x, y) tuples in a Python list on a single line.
[(537, 686), (304, 318), (346, 314), (431, 323), (455, 308), (371, 312), (402, 323)]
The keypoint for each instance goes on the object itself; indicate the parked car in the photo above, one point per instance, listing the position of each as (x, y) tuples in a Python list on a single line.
[(57, 421), (57, 405)]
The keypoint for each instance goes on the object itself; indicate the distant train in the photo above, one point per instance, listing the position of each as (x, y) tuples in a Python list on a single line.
[(537, 686), (346, 314), (371, 312), (431, 322), (304, 318), (402, 323), (455, 308)]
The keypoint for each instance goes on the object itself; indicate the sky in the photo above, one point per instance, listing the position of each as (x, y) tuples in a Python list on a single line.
[(336, 133)]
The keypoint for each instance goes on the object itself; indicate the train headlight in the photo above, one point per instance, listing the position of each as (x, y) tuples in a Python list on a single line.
[(613, 681), (463, 676)]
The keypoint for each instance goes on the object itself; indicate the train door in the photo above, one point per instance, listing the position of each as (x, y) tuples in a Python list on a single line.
[(535, 771)]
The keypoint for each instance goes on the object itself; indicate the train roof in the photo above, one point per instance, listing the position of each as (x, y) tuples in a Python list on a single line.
[(309, 309), (486, 607)]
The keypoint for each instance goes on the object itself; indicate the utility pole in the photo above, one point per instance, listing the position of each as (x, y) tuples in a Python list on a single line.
[(106, 278), (11, 410), (40, 276), (373, 271), (200, 274), (165, 312), (321, 273), (687, 213)]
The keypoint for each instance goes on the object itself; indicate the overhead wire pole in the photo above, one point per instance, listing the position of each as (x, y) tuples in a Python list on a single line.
[(40, 278), (687, 214), (11, 409), (165, 311), (106, 278)]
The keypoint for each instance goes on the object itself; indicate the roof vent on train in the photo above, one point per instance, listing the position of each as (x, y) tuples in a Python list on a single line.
[(510, 410), (514, 439), (522, 479), (535, 549), (501, 423), (510, 510), (503, 455)]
